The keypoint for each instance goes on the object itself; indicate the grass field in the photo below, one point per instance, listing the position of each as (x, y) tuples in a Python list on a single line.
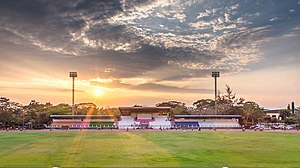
[(149, 149)]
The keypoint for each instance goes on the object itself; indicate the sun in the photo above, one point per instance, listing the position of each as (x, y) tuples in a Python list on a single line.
[(98, 92)]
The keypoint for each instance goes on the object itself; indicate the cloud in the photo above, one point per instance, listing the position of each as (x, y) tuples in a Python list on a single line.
[(149, 87), (291, 10), (202, 14), (294, 32), (50, 26), (39, 89), (227, 17), (170, 89), (159, 39), (274, 19)]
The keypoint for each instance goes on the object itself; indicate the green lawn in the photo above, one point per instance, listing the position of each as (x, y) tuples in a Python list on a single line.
[(149, 149)]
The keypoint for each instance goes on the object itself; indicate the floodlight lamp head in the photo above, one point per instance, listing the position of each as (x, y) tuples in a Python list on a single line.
[(73, 74), (215, 74)]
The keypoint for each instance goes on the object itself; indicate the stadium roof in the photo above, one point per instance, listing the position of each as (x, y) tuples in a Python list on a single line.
[(144, 108), (273, 111), (129, 110), (207, 116), (81, 116)]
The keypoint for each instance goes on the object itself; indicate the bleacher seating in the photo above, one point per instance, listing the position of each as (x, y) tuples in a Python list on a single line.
[(219, 123), (85, 123), (187, 124), (126, 122), (160, 122)]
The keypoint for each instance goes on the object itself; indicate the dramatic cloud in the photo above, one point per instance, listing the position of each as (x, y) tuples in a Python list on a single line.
[(163, 40)]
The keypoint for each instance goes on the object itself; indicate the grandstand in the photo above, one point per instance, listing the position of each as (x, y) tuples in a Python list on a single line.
[(207, 121), (161, 122), (126, 122), (144, 117), (82, 121)]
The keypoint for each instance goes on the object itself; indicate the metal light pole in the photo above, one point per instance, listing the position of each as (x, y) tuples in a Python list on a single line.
[(73, 75), (215, 75)]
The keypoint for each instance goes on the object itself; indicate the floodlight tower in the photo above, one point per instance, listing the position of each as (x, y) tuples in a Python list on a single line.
[(215, 75), (73, 75)]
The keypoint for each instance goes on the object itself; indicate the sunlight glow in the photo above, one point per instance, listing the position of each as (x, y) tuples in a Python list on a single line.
[(98, 92)]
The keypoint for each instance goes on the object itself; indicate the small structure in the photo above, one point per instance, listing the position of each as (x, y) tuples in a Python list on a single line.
[(273, 114), (144, 118)]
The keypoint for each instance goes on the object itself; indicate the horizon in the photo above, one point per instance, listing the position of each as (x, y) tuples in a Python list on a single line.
[(146, 52)]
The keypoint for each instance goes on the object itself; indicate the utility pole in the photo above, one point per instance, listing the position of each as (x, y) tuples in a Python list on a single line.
[(215, 75), (73, 75)]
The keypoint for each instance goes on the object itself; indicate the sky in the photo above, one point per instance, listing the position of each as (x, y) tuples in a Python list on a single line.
[(129, 52)]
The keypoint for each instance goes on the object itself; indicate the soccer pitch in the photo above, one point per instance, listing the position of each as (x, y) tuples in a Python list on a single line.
[(149, 149)]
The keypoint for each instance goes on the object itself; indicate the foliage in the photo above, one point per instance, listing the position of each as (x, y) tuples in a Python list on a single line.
[(36, 115), (10, 113), (171, 104), (285, 113), (204, 106), (293, 118), (85, 108), (61, 109), (177, 107), (251, 113), (227, 103)]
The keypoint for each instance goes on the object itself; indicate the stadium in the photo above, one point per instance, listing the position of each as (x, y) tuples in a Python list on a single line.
[(145, 118), (154, 83)]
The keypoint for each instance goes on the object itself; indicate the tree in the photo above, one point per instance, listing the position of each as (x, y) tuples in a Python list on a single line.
[(251, 112), (288, 107), (284, 114), (204, 106), (9, 113), (297, 109), (60, 109), (5, 117), (4, 114), (177, 107), (37, 114), (171, 104), (292, 118), (85, 108), (297, 115), (229, 94), (227, 103)]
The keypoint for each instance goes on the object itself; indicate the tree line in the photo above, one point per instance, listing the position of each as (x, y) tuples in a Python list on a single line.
[(229, 104), (36, 115)]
